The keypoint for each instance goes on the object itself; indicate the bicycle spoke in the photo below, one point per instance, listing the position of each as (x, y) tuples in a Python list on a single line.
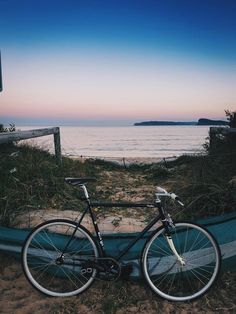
[(49, 283), (74, 284), (190, 282), (160, 282), (172, 281), (50, 242), (168, 251), (41, 248), (75, 277), (195, 274), (42, 273), (185, 241), (199, 257), (201, 267), (39, 267), (196, 243)]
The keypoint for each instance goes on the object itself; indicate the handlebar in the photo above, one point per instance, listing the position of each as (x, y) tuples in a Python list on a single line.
[(173, 196)]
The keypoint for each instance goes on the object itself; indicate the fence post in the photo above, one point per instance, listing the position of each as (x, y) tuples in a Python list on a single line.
[(57, 145), (0, 74)]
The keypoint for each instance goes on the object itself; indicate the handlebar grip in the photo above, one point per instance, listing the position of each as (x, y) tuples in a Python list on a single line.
[(163, 192), (176, 198), (178, 201)]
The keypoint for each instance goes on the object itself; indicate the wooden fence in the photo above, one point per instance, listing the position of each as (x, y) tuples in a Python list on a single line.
[(7, 137)]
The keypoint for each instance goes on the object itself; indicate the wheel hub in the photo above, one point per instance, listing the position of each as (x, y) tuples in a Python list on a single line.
[(60, 260)]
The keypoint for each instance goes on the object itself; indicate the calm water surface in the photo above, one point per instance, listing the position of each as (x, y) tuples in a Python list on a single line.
[(130, 141)]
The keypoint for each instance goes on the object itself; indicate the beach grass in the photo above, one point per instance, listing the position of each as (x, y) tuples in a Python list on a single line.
[(31, 180)]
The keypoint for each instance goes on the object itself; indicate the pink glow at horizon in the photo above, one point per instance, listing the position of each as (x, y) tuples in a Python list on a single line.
[(88, 87)]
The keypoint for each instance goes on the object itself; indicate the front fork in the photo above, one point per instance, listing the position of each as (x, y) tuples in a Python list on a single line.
[(173, 249), (168, 223)]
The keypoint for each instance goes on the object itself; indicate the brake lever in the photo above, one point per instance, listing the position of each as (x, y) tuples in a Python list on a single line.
[(180, 203)]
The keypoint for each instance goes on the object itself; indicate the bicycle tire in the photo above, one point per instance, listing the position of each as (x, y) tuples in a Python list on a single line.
[(42, 251), (164, 273)]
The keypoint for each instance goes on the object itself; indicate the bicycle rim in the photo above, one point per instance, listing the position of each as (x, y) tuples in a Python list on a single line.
[(52, 272), (167, 276)]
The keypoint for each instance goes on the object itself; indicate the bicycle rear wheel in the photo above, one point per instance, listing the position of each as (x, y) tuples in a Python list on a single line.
[(54, 270), (165, 274)]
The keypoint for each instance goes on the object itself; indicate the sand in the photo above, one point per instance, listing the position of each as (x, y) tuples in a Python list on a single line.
[(122, 297), (127, 160)]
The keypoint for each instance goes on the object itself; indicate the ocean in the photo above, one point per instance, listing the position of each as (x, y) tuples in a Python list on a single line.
[(126, 141)]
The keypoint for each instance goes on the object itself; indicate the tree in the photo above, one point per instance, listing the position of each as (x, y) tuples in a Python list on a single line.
[(231, 117)]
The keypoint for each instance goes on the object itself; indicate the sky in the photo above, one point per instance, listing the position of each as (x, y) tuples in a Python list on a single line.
[(75, 61)]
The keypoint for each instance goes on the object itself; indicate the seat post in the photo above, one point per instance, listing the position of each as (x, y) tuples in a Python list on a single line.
[(85, 191)]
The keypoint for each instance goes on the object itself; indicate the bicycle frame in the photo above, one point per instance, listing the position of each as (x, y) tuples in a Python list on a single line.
[(90, 205), (166, 222)]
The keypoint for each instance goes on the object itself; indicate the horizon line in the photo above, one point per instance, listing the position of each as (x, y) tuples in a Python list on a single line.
[(6, 120)]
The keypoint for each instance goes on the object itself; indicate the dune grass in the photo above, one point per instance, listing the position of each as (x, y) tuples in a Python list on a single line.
[(31, 179)]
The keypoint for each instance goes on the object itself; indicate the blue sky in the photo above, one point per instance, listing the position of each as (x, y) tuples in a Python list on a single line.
[(117, 59)]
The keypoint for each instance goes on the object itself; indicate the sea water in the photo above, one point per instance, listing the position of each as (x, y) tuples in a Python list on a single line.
[(126, 141)]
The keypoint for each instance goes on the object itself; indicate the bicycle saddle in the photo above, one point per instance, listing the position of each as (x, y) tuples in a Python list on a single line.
[(77, 181)]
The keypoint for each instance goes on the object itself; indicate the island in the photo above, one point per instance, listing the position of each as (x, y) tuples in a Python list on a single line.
[(151, 123), (202, 121)]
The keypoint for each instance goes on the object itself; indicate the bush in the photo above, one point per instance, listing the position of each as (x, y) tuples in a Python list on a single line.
[(231, 117), (159, 172), (11, 128)]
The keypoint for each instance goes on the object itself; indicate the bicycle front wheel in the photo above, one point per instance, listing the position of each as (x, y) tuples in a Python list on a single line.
[(177, 281), (56, 258)]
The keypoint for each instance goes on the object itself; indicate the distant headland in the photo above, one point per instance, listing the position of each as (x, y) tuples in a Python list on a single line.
[(202, 121)]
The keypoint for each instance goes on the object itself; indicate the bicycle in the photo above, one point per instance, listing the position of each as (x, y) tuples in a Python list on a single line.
[(180, 261)]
